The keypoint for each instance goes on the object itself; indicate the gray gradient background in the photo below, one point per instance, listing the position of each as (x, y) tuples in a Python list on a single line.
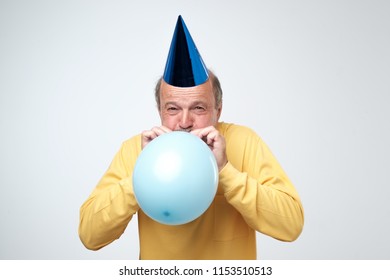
[(311, 77)]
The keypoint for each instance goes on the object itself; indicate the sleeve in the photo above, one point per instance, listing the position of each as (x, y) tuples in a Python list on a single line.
[(106, 213), (257, 187)]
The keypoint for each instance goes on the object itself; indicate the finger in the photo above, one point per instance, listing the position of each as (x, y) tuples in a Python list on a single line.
[(212, 137), (165, 129), (149, 134), (158, 130), (202, 132), (209, 135)]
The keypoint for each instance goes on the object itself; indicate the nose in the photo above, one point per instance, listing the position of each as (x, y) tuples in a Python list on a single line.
[(186, 120)]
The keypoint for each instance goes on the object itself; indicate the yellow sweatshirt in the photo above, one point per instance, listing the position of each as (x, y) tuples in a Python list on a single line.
[(254, 194)]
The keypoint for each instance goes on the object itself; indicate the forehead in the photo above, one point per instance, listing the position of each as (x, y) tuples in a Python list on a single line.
[(201, 92)]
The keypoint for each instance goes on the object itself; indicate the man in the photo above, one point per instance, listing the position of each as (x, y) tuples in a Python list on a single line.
[(254, 194)]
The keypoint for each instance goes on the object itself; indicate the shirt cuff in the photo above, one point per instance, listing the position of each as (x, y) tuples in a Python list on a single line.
[(229, 178)]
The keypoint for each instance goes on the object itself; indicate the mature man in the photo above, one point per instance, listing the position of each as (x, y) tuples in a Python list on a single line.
[(254, 193)]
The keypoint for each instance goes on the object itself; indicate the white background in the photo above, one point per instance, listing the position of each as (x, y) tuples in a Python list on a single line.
[(310, 77)]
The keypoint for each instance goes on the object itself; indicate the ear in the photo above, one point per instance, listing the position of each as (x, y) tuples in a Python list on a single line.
[(219, 111)]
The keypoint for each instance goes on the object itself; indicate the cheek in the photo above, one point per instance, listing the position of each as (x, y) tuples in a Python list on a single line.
[(205, 120), (169, 121)]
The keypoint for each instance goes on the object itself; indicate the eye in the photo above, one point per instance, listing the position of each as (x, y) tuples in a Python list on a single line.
[(199, 108), (172, 110)]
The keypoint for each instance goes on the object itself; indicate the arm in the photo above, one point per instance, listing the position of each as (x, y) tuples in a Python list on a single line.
[(105, 214), (255, 184)]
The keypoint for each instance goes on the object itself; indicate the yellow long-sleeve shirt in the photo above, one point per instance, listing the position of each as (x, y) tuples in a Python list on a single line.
[(254, 194)]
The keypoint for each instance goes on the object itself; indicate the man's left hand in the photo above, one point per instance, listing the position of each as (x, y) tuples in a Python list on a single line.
[(211, 136)]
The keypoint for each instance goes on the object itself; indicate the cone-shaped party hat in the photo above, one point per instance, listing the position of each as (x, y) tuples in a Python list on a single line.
[(184, 67)]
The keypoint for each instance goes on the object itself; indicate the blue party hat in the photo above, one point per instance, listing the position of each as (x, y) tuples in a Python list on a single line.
[(184, 67)]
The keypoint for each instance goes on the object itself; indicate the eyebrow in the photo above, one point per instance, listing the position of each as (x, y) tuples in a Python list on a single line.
[(194, 103), (170, 103)]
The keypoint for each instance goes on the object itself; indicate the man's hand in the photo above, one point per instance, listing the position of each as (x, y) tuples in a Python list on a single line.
[(149, 135), (211, 136)]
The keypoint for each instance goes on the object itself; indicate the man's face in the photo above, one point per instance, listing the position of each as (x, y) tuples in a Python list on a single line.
[(188, 108)]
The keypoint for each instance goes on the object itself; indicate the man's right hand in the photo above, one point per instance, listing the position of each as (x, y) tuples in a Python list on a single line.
[(149, 135)]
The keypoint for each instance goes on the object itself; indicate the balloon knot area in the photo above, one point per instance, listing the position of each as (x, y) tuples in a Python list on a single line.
[(166, 213)]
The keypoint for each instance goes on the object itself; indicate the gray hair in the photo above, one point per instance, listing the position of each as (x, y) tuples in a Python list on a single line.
[(217, 90)]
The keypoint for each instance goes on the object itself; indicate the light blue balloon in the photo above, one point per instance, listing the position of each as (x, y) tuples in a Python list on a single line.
[(175, 178)]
